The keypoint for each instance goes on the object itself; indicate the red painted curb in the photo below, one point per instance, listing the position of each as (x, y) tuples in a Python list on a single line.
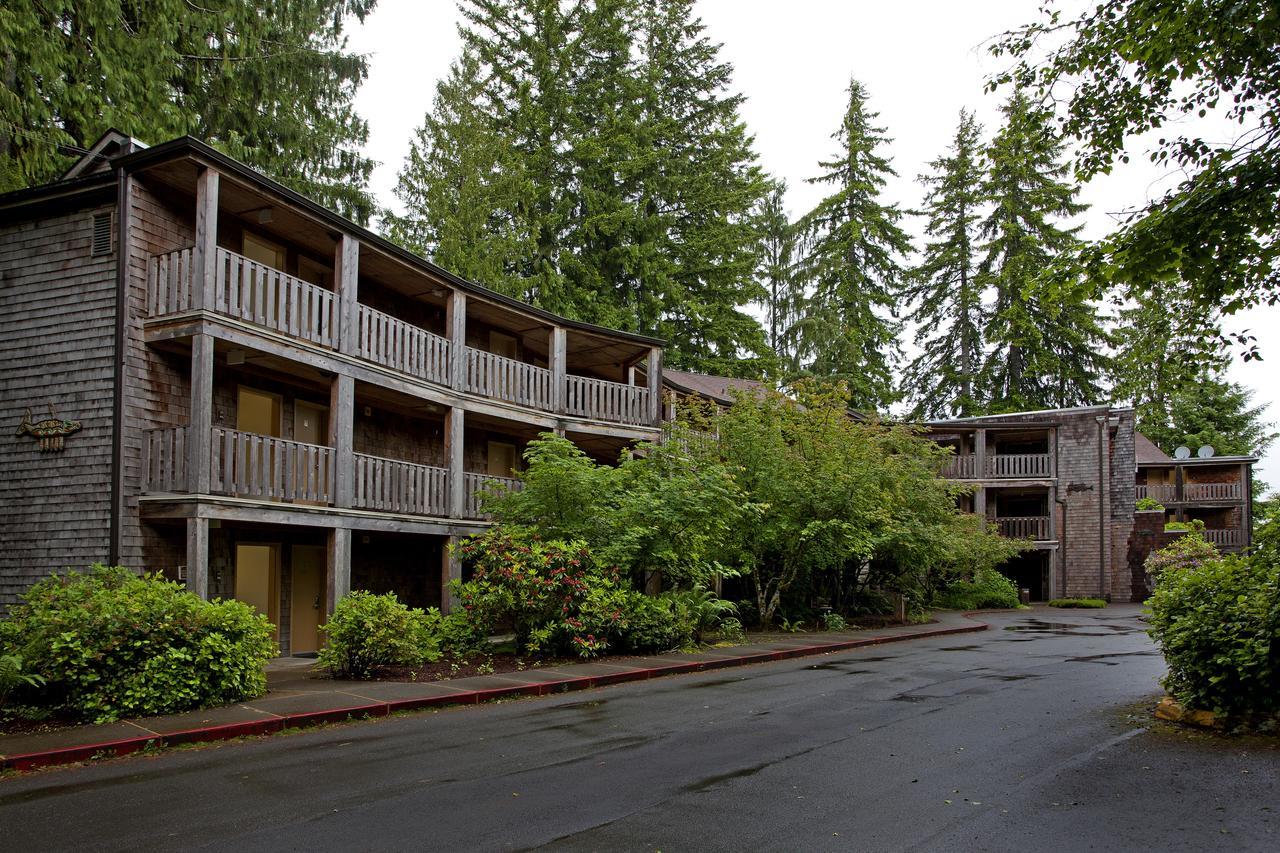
[(73, 754)]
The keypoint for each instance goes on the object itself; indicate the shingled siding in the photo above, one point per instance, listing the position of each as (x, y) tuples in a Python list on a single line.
[(57, 309), (157, 384)]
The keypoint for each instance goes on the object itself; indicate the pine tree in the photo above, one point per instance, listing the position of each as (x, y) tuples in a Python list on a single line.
[(949, 313), (272, 87), (853, 244), (1045, 339), (777, 277)]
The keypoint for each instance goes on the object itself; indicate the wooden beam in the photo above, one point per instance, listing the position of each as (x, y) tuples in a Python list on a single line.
[(204, 257), (198, 556), (342, 404), (455, 319), (454, 422), (337, 566), (557, 357), (450, 570), (980, 454), (655, 385), (346, 285), (199, 439)]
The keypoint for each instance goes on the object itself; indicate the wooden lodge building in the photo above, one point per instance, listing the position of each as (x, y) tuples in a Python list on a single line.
[(213, 376)]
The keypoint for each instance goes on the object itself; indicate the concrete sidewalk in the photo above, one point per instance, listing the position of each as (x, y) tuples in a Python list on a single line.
[(297, 697)]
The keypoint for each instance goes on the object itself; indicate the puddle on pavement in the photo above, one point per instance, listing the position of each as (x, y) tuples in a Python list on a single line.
[(959, 648), (907, 697), (1071, 629), (716, 682), (1102, 659), (578, 706), (712, 781), (998, 677)]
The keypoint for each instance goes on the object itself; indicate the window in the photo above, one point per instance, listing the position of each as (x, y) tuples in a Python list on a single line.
[(101, 244)]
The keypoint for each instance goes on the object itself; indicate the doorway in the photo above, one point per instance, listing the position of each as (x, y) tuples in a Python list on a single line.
[(258, 580), (310, 422), (306, 599), (258, 411)]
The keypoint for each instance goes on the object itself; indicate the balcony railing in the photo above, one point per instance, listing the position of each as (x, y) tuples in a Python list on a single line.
[(244, 464), (1212, 491), (1011, 466), (1024, 527), (388, 485), (266, 297), (960, 467), (1232, 538), (1162, 492)]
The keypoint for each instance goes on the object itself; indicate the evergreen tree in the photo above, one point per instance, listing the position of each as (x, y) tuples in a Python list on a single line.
[(776, 274), (1045, 339), (949, 313), (853, 244), (270, 86), (609, 167)]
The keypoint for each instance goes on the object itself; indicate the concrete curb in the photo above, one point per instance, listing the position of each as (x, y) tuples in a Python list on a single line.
[(228, 731)]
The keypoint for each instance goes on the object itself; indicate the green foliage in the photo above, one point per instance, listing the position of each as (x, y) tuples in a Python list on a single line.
[(1082, 603), (949, 314), (1195, 525), (832, 621), (1148, 505), (12, 676), (1185, 552), (1129, 67), (791, 626), (110, 644), (590, 158), (701, 610), (368, 632), (273, 87), (853, 246), (731, 631), (987, 590), (1217, 622), (657, 512), (781, 285), (849, 507)]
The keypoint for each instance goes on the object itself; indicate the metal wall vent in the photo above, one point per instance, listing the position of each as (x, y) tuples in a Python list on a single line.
[(101, 234)]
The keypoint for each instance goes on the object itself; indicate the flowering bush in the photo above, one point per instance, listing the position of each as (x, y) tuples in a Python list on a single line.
[(108, 644), (1185, 552)]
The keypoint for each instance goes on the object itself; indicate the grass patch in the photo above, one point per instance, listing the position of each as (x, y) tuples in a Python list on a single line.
[(1089, 603)]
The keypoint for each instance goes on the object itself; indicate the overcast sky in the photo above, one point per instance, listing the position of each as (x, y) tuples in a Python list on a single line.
[(922, 60)]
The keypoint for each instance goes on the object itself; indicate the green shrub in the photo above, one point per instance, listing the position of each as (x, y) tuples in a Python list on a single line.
[(12, 676), (701, 609), (1185, 552), (1086, 603), (731, 631), (988, 590), (1148, 505), (368, 632), (832, 621), (1216, 621), (109, 644)]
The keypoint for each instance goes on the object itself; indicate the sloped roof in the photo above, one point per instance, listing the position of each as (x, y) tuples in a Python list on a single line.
[(1145, 451), (717, 388)]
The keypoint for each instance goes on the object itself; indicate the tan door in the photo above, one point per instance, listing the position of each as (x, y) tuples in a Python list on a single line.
[(263, 251), (310, 422), (502, 459), (505, 345), (258, 412), (306, 600), (258, 580)]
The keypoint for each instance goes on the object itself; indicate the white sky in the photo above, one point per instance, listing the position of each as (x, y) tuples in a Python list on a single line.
[(922, 60)]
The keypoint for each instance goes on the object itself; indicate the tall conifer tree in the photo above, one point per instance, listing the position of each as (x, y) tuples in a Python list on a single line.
[(949, 313), (1045, 337), (777, 276), (273, 87), (852, 262)]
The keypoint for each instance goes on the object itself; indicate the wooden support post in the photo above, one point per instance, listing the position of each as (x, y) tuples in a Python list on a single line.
[(1246, 504), (450, 570), (200, 436), (980, 501), (204, 256), (655, 385), (346, 285), (198, 556), (337, 566), (557, 349), (456, 325), (454, 422), (342, 404), (980, 454)]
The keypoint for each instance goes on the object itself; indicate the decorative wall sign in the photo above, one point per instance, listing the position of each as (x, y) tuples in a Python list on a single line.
[(51, 432)]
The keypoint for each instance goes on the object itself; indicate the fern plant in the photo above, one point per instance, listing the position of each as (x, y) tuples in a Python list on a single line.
[(12, 676)]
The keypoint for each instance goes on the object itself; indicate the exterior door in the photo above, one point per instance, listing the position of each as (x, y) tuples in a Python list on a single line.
[(306, 599), (258, 412), (258, 580), (310, 422), (502, 459)]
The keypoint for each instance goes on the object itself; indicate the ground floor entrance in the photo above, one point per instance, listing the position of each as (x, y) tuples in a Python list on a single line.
[(1030, 571)]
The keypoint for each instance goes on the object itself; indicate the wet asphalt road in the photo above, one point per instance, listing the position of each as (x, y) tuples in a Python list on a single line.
[(1031, 736)]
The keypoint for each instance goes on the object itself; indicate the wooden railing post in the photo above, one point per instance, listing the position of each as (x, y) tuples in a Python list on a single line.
[(655, 386), (341, 429), (346, 282), (204, 256), (199, 441), (456, 323), (198, 556), (557, 349), (980, 454), (453, 446), (337, 566)]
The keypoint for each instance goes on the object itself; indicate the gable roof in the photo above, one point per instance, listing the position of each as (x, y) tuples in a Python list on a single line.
[(98, 158), (717, 388), (1145, 451)]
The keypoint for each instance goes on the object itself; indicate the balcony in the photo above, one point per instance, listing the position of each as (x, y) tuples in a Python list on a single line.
[(1167, 493), (1000, 466), (1161, 492), (1034, 527), (247, 465), (265, 297), (1232, 538)]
